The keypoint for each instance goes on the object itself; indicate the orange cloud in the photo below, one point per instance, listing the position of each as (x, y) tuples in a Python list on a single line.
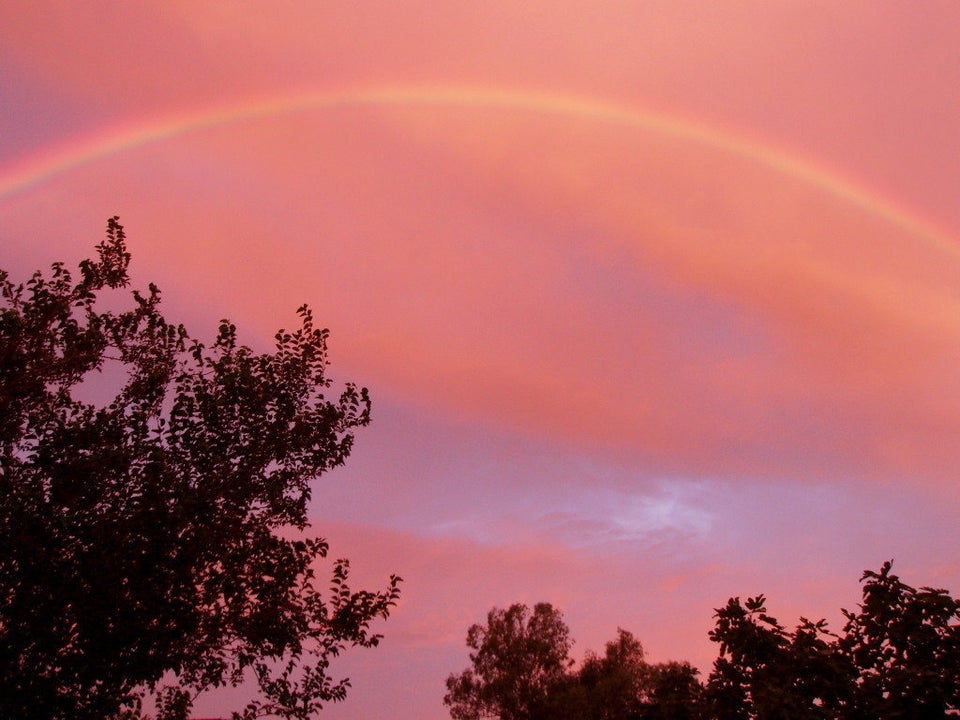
[(615, 285)]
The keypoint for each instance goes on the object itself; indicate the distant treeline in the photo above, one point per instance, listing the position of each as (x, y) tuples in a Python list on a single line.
[(897, 657)]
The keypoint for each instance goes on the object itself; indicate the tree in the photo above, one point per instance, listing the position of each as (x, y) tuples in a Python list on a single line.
[(897, 657), (155, 543), (673, 693), (614, 684), (622, 685), (521, 671), (517, 659), (905, 645), (764, 671)]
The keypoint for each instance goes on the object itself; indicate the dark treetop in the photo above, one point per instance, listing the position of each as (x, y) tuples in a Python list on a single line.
[(153, 544), (896, 658)]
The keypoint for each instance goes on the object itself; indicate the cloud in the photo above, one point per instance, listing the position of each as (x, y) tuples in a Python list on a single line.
[(623, 290), (628, 370)]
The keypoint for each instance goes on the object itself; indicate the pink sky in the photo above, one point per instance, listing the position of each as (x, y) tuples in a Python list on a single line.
[(659, 302)]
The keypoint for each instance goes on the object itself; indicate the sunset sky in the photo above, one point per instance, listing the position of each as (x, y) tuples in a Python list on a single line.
[(658, 301)]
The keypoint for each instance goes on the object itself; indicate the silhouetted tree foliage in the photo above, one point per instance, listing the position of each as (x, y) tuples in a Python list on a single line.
[(154, 544), (622, 685), (764, 671), (517, 658), (896, 658), (612, 686), (905, 646), (521, 670)]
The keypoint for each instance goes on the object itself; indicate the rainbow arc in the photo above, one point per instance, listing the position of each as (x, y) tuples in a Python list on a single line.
[(59, 160)]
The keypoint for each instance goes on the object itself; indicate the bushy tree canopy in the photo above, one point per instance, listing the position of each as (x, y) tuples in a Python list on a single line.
[(622, 685), (896, 658), (517, 658), (521, 670), (154, 542)]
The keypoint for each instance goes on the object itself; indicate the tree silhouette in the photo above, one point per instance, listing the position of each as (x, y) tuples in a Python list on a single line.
[(521, 670), (897, 657), (517, 658), (155, 543), (905, 644), (622, 685), (764, 671)]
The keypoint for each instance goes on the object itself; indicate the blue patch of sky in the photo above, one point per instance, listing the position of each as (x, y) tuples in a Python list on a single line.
[(35, 117)]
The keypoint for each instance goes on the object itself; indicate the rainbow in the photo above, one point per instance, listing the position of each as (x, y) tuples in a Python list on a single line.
[(58, 160)]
